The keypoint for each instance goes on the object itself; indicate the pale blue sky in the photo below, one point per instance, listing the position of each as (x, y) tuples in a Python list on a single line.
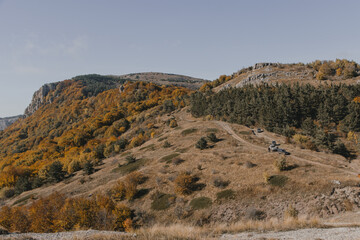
[(47, 41)]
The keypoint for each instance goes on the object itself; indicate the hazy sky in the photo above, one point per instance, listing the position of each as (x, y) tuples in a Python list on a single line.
[(48, 41)]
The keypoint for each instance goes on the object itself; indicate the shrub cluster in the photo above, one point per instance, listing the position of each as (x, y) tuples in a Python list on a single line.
[(56, 213), (127, 189), (184, 183)]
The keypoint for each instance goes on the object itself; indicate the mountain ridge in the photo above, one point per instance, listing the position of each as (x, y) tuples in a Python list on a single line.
[(40, 97)]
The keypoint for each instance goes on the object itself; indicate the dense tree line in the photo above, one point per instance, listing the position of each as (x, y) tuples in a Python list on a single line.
[(283, 108)]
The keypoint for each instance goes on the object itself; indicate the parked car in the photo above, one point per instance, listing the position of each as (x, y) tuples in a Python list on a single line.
[(259, 130), (272, 148)]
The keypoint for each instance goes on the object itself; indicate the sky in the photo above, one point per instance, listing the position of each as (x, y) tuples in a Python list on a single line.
[(45, 41)]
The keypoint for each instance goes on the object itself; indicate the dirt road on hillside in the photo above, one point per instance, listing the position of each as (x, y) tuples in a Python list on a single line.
[(228, 129)]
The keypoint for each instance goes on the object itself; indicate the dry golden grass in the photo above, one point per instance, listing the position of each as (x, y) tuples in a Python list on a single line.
[(272, 224), (225, 160), (180, 231)]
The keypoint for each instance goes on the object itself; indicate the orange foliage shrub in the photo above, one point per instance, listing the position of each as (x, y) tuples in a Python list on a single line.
[(5, 217), (122, 218), (19, 220), (184, 184), (55, 213), (43, 213), (118, 191)]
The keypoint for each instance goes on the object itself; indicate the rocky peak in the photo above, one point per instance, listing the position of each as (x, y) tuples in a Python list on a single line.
[(39, 98), (262, 65)]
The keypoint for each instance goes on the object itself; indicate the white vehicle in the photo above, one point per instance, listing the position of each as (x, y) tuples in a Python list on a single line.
[(273, 148)]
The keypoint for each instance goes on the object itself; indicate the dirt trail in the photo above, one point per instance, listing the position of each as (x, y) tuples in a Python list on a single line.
[(228, 128)]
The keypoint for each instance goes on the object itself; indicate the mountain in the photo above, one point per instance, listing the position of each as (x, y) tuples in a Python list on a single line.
[(111, 153), (5, 122)]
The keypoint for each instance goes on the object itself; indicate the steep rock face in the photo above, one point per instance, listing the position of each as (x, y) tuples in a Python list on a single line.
[(39, 98), (5, 122)]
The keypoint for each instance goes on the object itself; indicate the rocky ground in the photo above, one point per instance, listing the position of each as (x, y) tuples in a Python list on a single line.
[(89, 234), (303, 234), (348, 233)]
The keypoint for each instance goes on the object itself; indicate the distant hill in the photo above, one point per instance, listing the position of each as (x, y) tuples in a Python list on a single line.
[(167, 79), (5, 122)]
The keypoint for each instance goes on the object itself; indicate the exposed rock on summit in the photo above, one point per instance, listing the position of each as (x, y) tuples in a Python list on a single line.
[(40, 98)]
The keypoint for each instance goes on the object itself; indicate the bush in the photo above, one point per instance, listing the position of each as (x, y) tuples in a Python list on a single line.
[(99, 151), (122, 216), (280, 164), (8, 192), (200, 203), (340, 148), (55, 172), (136, 177), (130, 159), (188, 131), (36, 182), (226, 194), (169, 157), (266, 177), (89, 168), (212, 137), (118, 191), (300, 139), (201, 144), (220, 183), (311, 146), (166, 144), (173, 123), (184, 184), (22, 184), (74, 166), (161, 201), (278, 180)]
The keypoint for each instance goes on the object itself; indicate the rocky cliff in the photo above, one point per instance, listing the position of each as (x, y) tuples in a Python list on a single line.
[(40, 98), (5, 122)]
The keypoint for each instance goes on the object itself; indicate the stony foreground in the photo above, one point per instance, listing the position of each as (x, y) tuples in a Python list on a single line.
[(89, 234), (348, 233), (303, 234)]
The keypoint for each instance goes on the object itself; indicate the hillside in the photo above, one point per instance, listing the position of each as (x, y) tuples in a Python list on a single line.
[(314, 73), (112, 158)]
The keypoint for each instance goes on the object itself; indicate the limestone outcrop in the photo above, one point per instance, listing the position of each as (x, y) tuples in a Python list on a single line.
[(40, 98)]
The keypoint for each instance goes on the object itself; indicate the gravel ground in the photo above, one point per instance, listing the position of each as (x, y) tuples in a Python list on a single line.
[(303, 234), (64, 235)]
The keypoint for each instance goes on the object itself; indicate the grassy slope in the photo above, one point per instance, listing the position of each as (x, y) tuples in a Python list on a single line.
[(227, 160)]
